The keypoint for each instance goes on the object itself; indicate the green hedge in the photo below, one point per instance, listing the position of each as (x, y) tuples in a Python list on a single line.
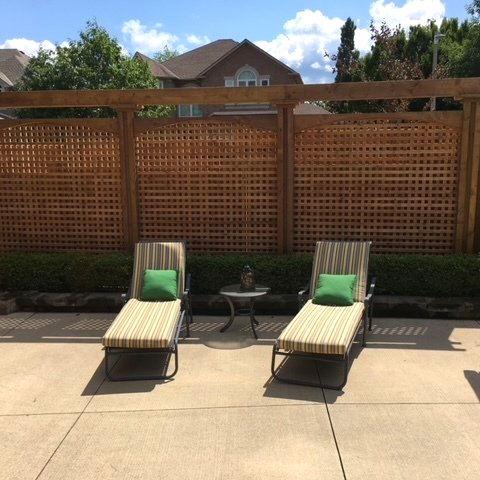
[(422, 275)]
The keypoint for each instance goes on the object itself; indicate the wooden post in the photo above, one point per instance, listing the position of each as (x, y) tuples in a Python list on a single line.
[(126, 117), (468, 215), (285, 157), (473, 236)]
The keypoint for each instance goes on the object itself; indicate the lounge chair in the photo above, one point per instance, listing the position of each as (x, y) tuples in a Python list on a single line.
[(325, 327), (157, 309)]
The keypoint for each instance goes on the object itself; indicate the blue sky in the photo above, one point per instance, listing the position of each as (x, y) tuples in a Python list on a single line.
[(297, 32)]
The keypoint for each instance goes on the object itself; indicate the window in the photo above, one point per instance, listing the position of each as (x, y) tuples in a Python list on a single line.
[(247, 78), (229, 82), (264, 82), (190, 111), (161, 84)]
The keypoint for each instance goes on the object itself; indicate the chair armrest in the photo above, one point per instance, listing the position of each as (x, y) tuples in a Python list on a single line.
[(186, 291), (188, 281), (368, 302), (302, 296), (371, 289)]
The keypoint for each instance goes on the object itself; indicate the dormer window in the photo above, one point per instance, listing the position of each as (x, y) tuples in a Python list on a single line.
[(247, 78)]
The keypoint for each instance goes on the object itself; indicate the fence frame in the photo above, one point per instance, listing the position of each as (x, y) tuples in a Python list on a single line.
[(128, 102)]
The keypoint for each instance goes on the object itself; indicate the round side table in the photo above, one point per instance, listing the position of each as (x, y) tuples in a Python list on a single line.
[(233, 293)]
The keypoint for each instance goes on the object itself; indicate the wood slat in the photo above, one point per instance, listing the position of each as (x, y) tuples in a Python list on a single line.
[(275, 94)]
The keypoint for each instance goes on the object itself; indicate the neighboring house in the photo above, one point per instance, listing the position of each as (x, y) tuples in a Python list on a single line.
[(12, 66), (224, 63)]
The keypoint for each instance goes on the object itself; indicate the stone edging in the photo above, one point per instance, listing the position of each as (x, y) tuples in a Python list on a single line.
[(384, 305)]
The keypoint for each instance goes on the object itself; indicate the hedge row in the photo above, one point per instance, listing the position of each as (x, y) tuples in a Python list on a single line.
[(422, 275)]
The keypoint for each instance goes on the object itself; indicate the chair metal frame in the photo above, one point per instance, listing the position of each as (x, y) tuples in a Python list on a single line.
[(344, 359), (185, 319)]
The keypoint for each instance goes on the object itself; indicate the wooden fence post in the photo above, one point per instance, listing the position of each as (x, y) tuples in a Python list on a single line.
[(468, 216), (126, 117), (285, 157)]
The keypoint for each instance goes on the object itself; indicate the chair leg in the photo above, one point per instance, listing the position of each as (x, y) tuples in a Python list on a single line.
[(108, 370), (274, 371)]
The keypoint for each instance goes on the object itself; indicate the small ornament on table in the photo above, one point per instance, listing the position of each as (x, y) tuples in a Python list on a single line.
[(247, 279)]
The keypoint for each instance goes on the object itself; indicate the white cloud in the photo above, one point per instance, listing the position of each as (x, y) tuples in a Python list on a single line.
[(412, 12), (147, 40), (304, 43), (198, 41), (307, 37), (151, 40), (29, 47), (363, 40)]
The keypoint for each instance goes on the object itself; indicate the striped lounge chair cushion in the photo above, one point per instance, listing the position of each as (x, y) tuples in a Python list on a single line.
[(144, 325), (322, 329)]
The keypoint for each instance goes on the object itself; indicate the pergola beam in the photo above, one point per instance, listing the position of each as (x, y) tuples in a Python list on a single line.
[(280, 94)]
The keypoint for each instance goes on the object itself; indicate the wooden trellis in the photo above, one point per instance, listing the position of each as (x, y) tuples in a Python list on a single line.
[(271, 184)]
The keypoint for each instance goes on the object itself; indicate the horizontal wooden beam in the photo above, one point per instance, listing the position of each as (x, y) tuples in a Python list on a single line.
[(279, 94)]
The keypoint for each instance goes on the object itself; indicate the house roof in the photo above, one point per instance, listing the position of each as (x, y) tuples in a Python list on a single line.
[(192, 64), (159, 70), (263, 52), (12, 65), (196, 63)]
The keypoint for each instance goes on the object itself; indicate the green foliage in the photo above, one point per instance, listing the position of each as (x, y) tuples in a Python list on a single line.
[(165, 54), (63, 272), (94, 62), (417, 275), (427, 275), (282, 273), (347, 55), (397, 54)]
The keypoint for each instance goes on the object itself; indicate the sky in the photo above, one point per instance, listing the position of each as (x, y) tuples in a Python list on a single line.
[(296, 32)]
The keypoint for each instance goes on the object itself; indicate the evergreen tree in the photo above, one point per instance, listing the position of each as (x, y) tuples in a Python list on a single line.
[(346, 60)]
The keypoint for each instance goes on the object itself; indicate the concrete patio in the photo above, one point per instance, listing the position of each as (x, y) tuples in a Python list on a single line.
[(410, 409)]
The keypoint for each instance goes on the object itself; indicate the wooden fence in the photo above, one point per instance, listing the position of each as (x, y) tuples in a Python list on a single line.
[(271, 184)]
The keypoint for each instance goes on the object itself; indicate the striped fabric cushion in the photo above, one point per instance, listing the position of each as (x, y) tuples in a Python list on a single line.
[(158, 256), (322, 329), (342, 258), (144, 325)]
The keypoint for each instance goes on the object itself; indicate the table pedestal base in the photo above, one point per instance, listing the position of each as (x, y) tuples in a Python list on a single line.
[(246, 312)]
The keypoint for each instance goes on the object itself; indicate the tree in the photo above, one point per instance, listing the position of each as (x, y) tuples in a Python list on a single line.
[(346, 60), (469, 62), (165, 54), (94, 62), (347, 65)]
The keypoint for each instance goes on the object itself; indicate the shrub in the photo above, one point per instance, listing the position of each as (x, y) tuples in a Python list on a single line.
[(418, 275), (65, 272), (427, 275)]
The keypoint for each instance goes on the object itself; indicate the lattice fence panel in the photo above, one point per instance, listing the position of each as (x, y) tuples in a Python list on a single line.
[(390, 181), (60, 188), (213, 183)]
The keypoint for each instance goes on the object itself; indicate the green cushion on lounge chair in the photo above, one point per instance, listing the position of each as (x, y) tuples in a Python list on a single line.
[(337, 290), (159, 286)]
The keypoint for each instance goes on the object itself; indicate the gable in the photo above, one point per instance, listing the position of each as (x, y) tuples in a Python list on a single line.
[(248, 56)]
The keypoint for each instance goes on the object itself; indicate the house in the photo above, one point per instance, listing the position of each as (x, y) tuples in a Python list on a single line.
[(225, 63), (12, 65)]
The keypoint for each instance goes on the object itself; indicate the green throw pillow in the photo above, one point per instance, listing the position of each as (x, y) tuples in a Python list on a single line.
[(335, 290), (159, 285)]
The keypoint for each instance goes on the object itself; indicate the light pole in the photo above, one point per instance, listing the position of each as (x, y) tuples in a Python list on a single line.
[(436, 40)]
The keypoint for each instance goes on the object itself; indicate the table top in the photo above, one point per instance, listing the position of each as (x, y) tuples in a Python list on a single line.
[(236, 292)]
